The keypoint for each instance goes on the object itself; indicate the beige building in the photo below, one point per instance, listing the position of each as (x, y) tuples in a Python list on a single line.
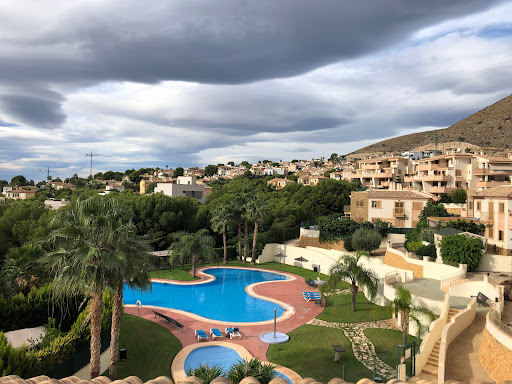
[(310, 180), (493, 208), (382, 173), (150, 180), (20, 194), (185, 186), (400, 208), (278, 183)]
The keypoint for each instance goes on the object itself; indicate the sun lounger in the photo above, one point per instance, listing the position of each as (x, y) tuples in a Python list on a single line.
[(310, 293), (169, 320), (215, 332), (312, 297), (201, 335), (233, 332)]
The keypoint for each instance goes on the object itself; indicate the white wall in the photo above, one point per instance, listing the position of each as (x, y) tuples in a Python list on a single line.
[(310, 233), (472, 288), (495, 263)]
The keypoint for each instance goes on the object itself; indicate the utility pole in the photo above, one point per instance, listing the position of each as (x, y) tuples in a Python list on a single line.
[(91, 155)]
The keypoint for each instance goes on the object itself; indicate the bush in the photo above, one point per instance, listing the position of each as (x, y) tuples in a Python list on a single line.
[(206, 373), (366, 240), (462, 249), (347, 244), (427, 250), (459, 196), (262, 371)]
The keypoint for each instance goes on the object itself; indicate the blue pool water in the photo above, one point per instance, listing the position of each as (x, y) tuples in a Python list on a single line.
[(223, 299), (224, 357)]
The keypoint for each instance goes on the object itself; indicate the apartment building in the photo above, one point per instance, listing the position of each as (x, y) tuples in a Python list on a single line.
[(493, 208), (184, 186), (382, 173), (400, 208), (443, 174)]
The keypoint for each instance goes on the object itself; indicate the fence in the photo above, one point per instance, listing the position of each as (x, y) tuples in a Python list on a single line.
[(495, 317), (447, 280)]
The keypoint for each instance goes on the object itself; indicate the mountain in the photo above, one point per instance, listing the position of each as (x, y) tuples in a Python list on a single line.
[(488, 130)]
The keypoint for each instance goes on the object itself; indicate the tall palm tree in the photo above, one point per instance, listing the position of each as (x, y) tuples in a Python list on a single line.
[(348, 268), (191, 247), (403, 304), (257, 211), (222, 222), (23, 263), (88, 246), (238, 209)]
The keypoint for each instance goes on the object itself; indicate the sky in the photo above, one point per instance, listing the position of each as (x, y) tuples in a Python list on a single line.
[(197, 82)]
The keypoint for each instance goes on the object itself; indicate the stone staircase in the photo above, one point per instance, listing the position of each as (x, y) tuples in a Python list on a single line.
[(432, 365)]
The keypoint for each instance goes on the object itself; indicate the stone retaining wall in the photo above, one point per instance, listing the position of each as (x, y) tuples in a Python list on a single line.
[(396, 261), (495, 357), (314, 242)]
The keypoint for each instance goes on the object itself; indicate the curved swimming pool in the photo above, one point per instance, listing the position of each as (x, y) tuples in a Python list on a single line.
[(222, 299), (221, 356)]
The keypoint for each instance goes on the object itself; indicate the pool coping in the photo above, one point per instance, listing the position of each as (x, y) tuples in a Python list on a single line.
[(178, 364), (289, 310)]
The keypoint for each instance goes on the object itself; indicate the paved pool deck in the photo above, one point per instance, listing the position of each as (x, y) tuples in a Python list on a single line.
[(289, 292)]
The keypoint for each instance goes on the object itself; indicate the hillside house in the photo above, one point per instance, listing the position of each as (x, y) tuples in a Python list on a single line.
[(184, 186)]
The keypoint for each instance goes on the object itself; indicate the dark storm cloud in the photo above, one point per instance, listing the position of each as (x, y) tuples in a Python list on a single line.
[(33, 111)]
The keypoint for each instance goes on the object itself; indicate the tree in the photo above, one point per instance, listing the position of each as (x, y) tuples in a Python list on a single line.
[(258, 212), (356, 184), (192, 246), (334, 157), (459, 196), (431, 210), (210, 170), (366, 240), (349, 269), (232, 163), (246, 164), (179, 171), (91, 246), (223, 220), (18, 181), (463, 225), (463, 250), (295, 161), (3, 183), (150, 188), (23, 263), (402, 304), (253, 367)]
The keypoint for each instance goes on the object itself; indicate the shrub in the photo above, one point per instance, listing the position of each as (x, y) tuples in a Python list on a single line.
[(366, 240), (427, 250), (347, 244), (413, 246), (262, 371), (458, 196), (462, 249), (471, 226)]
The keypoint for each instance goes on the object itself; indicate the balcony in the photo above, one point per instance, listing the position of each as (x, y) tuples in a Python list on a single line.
[(440, 190), (490, 171), (409, 179), (427, 167), (399, 212), (384, 184), (372, 166), (436, 178), (492, 183), (386, 175)]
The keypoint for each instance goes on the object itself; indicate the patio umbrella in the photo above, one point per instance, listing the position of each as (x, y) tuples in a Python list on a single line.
[(280, 255), (301, 259)]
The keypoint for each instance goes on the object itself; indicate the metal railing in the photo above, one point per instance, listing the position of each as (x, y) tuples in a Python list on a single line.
[(447, 280), (495, 317)]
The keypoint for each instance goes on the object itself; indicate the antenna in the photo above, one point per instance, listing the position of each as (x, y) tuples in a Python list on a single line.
[(91, 155)]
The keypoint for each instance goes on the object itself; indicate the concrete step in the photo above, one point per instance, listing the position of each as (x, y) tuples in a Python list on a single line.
[(433, 361), (430, 369)]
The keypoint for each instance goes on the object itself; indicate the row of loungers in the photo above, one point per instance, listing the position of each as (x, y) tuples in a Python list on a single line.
[(169, 320), (308, 296), (215, 332)]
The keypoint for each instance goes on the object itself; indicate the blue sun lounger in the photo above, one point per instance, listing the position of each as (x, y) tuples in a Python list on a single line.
[(233, 332), (201, 335), (215, 332)]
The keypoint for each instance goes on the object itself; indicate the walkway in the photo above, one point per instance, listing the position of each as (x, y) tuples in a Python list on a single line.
[(462, 359), (286, 291), (361, 345), (431, 289)]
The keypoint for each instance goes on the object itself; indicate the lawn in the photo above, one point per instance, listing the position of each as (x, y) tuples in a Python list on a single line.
[(338, 309), (309, 353), (183, 272), (150, 349), (385, 342)]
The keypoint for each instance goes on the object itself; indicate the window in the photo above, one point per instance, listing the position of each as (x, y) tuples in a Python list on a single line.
[(500, 235), (470, 205), (376, 204), (458, 172), (417, 205), (478, 206), (501, 207), (491, 233), (359, 203)]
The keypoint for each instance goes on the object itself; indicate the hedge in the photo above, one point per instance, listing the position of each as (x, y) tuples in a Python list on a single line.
[(29, 362)]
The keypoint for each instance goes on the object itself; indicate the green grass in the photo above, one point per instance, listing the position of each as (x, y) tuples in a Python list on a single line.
[(385, 342), (338, 309), (150, 348), (183, 272), (310, 354)]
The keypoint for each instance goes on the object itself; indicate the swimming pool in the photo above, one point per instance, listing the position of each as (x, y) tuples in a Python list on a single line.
[(222, 299), (221, 356)]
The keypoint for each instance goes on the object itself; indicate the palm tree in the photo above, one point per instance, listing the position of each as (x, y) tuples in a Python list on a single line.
[(348, 268), (192, 246), (222, 222), (257, 212), (88, 246), (403, 304), (23, 264), (238, 209)]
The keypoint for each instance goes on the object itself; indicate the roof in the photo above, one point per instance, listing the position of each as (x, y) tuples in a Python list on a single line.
[(386, 194), (448, 231), (501, 191), (377, 159), (495, 159)]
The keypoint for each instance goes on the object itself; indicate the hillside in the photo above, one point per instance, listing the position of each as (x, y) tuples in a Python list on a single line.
[(488, 130)]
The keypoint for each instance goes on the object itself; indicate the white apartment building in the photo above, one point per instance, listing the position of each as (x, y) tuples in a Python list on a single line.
[(185, 186)]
